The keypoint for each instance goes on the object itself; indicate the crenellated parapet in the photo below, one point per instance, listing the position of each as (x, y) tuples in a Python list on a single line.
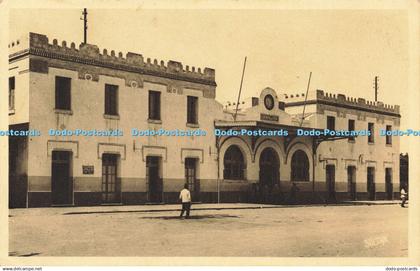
[(90, 54), (297, 97), (341, 99), (18, 45)]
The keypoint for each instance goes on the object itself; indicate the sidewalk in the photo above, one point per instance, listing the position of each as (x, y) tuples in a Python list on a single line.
[(373, 202), (147, 208)]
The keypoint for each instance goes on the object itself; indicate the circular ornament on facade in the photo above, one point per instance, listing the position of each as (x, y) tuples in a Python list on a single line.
[(88, 76), (134, 84), (269, 102)]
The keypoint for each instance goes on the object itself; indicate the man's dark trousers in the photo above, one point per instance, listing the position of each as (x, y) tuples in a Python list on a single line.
[(186, 206)]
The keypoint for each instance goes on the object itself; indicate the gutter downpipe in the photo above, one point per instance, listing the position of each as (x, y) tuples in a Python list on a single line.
[(218, 168), (313, 167)]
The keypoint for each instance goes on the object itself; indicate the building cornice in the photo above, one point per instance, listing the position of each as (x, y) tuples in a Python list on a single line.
[(88, 54)]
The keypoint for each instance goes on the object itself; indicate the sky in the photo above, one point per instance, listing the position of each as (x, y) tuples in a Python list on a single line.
[(344, 49)]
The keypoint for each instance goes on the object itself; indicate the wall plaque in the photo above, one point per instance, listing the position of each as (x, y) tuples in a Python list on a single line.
[(269, 117), (88, 170)]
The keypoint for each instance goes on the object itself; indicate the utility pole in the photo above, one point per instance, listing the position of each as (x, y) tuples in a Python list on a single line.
[(376, 88), (240, 89), (84, 25), (306, 98)]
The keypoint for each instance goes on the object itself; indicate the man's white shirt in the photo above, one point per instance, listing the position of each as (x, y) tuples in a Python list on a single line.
[(185, 195), (403, 193)]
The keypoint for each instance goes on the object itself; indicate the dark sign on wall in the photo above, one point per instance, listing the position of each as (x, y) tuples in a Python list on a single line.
[(87, 169), (269, 117)]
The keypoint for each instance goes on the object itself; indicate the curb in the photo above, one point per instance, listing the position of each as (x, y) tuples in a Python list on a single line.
[(232, 208)]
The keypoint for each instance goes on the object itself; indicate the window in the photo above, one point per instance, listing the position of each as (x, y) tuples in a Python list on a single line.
[(111, 100), (233, 164), (330, 123), (351, 128), (371, 129), (154, 105), (11, 93), (192, 109), (388, 137), (300, 167), (62, 93)]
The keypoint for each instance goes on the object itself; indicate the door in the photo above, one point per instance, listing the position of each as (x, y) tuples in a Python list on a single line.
[(269, 176), (191, 178), (18, 180), (371, 183), (154, 181), (351, 182), (61, 180), (110, 180), (330, 175), (388, 183)]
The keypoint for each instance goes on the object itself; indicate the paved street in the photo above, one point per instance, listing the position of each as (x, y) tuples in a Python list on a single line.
[(357, 231)]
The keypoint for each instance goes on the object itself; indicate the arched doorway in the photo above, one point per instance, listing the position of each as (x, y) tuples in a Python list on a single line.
[(300, 167), (234, 164), (269, 183), (299, 173)]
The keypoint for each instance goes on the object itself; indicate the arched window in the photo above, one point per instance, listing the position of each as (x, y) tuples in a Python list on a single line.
[(300, 166), (234, 164)]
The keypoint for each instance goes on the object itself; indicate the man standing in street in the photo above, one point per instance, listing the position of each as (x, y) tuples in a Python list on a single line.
[(185, 197)]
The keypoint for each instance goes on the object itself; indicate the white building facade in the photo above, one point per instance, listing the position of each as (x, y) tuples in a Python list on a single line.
[(60, 88)]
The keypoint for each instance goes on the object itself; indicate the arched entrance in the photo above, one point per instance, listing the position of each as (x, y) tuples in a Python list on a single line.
[(234, 164), (300, 167), (269, 183)]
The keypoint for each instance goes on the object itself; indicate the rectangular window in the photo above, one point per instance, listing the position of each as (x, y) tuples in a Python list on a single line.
[(330, 123), (11, 93), (62, 93), (371, 129), (154, 105), (388, 137), (192, 109), (111, 100), (351, 128)]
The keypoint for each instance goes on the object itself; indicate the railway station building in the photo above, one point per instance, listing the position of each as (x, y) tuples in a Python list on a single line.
[(251, 152)]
